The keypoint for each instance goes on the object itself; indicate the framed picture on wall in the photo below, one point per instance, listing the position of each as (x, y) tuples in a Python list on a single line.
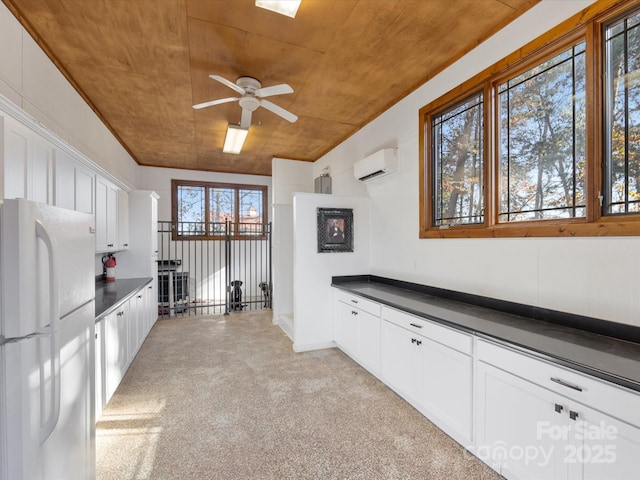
[(335, 230)]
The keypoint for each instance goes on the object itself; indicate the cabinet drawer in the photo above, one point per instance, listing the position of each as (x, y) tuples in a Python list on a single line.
[(606, 397), (449, 337), (358, 302)]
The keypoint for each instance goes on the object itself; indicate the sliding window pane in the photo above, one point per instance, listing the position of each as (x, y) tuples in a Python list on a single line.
[(458, 164)]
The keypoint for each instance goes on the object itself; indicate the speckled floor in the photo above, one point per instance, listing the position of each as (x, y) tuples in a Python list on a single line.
[(227, 398)]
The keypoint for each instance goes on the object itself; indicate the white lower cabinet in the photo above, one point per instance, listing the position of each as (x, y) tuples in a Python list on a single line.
[(357, 329), (119, 336), (116, 348), (537, 420), (134, 323), (402, 362), (99, 366), (431, 366), (525, 416)]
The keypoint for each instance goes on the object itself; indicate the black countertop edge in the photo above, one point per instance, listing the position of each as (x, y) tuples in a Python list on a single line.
[(631, 382), (598, 326), (110, 295), (601, 374)]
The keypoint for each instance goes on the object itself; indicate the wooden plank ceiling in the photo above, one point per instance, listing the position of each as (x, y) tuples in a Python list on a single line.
[(142, 64)]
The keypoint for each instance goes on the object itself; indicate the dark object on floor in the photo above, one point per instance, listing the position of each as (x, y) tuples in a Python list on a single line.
[(236, 296), (266, 293)]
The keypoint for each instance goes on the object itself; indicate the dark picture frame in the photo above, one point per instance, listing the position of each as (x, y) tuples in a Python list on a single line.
[(335, 230)]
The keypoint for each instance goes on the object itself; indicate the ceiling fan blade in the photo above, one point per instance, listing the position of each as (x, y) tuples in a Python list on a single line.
[(274, 90), (215, 102), (229, 84), (245, 121), (272, 107)]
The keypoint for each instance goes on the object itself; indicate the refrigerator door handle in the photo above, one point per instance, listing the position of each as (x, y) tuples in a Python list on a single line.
[(48, 426)]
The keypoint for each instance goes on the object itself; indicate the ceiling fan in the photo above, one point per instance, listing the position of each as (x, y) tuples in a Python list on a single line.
[(252, 97)]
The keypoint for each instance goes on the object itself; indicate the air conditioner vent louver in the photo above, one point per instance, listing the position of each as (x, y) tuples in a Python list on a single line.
[(377, 165)]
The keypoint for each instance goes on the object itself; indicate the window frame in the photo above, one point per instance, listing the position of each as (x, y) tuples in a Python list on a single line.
[(236, 187), (586, 26)]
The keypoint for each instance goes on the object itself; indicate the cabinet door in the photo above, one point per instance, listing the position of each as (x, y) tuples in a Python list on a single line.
[(123, 220), (520, 426), (346, 328), (369, 341), (100, 367), (40, 186), (154, 225), (401, 366), (16, 139), (112, 354), (151, 307), (106, 215), (84, 187), (64, 181), (135, 322), (610, 449), (448, 385)]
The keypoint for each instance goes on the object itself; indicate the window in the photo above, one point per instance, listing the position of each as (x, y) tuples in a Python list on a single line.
[(544, 143), (542, 121), (458, 156), (210, 210), (622, 113)]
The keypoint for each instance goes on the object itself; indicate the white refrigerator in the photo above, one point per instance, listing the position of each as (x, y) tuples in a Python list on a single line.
[(47, 288)]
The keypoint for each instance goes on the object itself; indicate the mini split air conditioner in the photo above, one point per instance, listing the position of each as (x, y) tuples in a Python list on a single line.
[(377, 165)]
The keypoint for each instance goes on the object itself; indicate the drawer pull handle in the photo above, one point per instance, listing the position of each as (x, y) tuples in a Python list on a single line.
[(418, 342), (558, 408), (353, 312), (415, 325), (573, 415), (413, 340), (354, 301), (566, 384)]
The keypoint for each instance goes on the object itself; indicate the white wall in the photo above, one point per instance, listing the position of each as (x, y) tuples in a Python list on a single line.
[(312, 271), (589, 276), (288, 176), (159, 180), (32, 82)]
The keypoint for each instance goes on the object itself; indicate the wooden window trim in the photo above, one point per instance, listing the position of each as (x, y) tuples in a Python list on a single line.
[(236, 187), (586, 25)]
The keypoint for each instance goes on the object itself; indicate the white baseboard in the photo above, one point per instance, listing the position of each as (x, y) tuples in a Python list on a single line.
[(285, 322), (313, 346)]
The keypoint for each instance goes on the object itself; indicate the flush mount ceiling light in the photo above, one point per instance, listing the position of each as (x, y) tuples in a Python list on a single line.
[(234, 139), (284, 7)]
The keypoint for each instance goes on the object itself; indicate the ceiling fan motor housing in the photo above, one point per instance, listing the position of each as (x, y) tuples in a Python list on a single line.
[(250, 84), (249, 101)]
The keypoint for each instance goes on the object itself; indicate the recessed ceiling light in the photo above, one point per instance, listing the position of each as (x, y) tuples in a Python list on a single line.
[(234, 139), (284, 7)]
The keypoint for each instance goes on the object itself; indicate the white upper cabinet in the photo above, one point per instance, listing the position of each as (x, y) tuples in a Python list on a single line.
[(123, 220), (85, 186), (41, 171), (26, 163), (106, 215), (64, 174), (16, 139)]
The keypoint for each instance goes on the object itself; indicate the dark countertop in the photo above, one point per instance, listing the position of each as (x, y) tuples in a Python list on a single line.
[(613, 359), (110, 294)]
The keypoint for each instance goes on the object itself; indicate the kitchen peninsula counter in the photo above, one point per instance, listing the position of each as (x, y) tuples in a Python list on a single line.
[(604, 349), (109, 295)]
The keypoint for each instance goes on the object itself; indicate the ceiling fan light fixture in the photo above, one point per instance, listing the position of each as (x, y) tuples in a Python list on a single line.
[(234, 139), (284, 7)]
